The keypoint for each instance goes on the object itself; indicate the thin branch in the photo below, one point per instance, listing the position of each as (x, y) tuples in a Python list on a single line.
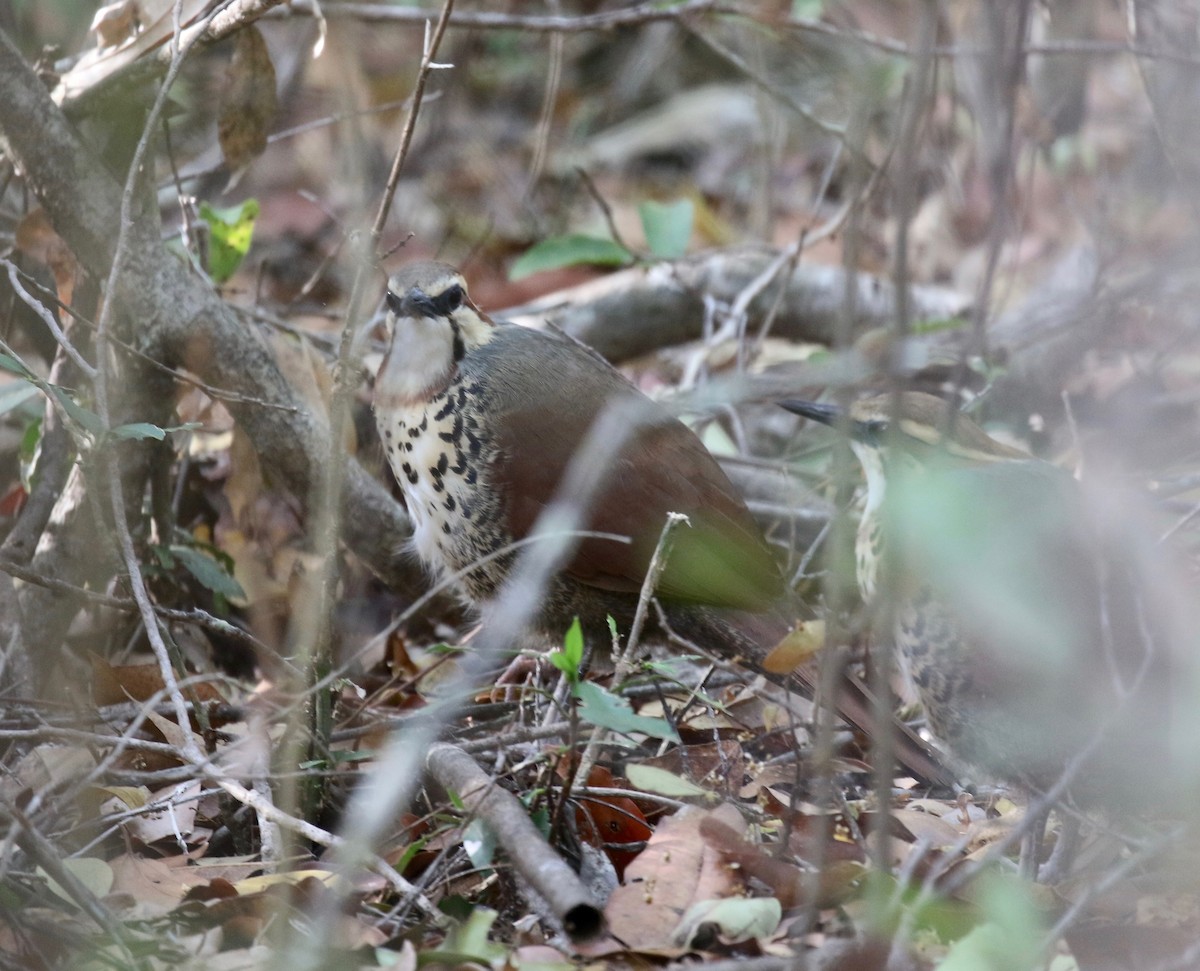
[(108, 462), (47, 318), (654, 12)]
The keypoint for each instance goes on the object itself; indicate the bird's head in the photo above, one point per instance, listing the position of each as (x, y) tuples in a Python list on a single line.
[(905, 432), (433, 326)]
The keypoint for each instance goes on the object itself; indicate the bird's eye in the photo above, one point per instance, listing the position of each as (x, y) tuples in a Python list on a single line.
[(871, 432), (449, 300), (393, 301)]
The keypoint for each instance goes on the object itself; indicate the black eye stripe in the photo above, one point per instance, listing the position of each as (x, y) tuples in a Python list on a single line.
[(449, 300)]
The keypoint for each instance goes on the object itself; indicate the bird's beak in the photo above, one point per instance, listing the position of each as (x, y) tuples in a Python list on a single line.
[(826, 414), (414, 303)]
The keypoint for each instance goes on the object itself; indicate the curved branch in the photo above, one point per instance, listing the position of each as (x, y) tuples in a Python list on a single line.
[(182, 321)]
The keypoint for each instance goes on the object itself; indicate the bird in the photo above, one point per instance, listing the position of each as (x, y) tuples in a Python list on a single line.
[(1019, 615), (480, 419)]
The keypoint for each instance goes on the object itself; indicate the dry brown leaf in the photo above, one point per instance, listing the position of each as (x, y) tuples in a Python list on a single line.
[(114, 685), (155, 884), (249, 104), (175, 821), (677, 869), (37, 239)]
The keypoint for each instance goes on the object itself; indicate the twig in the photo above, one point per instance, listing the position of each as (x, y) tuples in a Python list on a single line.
[(47, 318), (195, 615), (624, 661), (328, 501), (107, 461), (658, 563), (541, 141), (527, 850), (48, 858), (605, 209), (654, 12)]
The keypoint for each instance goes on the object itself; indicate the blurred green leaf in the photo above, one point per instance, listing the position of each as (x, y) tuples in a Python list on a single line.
[(572, 250), (93, 873), (938, 325), (479, 843), (88, 420), (469, 942), (603, 708), (230, 233), (1010, 938), (737, 918), (30, 451), (10, 363), (650, 778), (138, 430), (570, 658), (207, 571), (15, 394), (668, 226)]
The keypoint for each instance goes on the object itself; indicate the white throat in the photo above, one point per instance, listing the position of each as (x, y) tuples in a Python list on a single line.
[(419, 361)]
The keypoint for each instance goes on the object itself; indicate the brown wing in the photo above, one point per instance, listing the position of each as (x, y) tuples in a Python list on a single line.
[(721, 559)]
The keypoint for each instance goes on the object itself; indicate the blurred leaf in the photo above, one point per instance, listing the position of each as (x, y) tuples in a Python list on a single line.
[(570, 658), (88, 420), (572, 250), (15, 394), (603, 708), (207, 571), (668, 226), (468, 942), (94, 874), (938, 325), (139, 430), (248, 104), (650, 778), (230, 233), (737, 918), (10, 363), (1009, 940), (479, 843), (30, 451)]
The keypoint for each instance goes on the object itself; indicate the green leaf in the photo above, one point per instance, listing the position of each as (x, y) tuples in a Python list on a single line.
[(479, 843), (208, 571), (1009, 939), (10, 363), (93, 873), (139, 430), (469, 941), (938, 324), (15, 394), (230, 233), (606, 710), (650, 778), (30, 451), (570, 658), (668, 226), (737, 918), (571, 250), (88, 420)]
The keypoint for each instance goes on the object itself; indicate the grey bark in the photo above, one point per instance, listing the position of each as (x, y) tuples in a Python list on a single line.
[(181, 321)]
